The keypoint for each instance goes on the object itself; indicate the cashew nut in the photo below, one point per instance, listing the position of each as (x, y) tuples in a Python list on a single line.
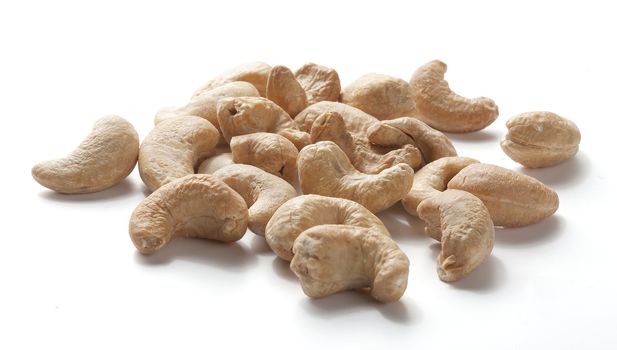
[(255, 73), (263, 193), (432, 179), (513, 199), (381, 96), (204, 105), (174, 148), (197, 206), (104, 158), (216, 162), (320, 83), (247, 115), (461, 222), (270, 152), (301, 213), (323, 168), (444, 110), (284, 90), (333, 258)]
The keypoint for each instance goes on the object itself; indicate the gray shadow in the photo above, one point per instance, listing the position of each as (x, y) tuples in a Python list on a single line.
[(228, 256), (351, 302), (281, 268), (402, 226), (144, 190), (476, 136), (544, 231), (259, 245), (564, 175), (124, 189)]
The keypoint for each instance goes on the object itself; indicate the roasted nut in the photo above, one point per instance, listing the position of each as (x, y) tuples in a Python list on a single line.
[(255, 73), (513, 199), (104, 158), (284, 90), (320, 83), (540, 139)]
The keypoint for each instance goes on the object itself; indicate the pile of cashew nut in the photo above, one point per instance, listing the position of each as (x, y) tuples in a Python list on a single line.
[(295, 159)]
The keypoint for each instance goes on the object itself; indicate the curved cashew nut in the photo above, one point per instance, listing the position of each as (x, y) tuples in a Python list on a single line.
[(263, 193), (197, 206), (216, 162), (433, 144), (381, 96), (284, 90), (433, 179), (320, 83), (513, 199), (301, 213), (174, 148), (270, 152), (444, 110), (255, 73), (204, 105), (333, 258), (104, 158), (323, 168), (247, 115), (463, 225)]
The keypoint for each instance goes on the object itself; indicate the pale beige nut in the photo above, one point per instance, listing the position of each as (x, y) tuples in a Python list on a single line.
[(332, 258), (215, 162), (324, 169), (303, 212), (204, 105), (247, 115), (432, 143), (320, 83), (284, 90), (255, 73), (263, 193), (540, 139), (444, 110), (104, 158), (381, 96), (270, 152), (196, 206), (512, 198), (174, 148), (432, 179), (461, 222)]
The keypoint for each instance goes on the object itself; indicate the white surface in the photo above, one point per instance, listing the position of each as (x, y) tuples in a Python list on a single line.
[(71, 279)]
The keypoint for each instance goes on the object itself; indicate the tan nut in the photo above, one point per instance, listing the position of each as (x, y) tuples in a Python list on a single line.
[(205, 104), (540, 139), (320, 83), (247, 115), (216, 162), (432, 179), (255, 73), (324, 169), (197, 206), (303, 212), (513, 199), (284, 90), (104, 158), (381, 96), (463, 225), (263, 193), (270, 152), (332, 258), (433, 144), (174, 148), (444, 110)]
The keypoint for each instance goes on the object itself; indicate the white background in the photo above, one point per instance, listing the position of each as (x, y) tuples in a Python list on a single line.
[(70, 277)]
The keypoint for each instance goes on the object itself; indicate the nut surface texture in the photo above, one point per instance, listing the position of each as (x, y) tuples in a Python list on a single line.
[(444, 110), (303, 212), (513, 199), (216, 162), (324, 169), (463, 225), (284, 90), (263, 193), (270, 152), (320, 83), (381, 96), (333, 258), (540, 139), (255, 73), (174, 148), (198, 206), (104, 158)]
